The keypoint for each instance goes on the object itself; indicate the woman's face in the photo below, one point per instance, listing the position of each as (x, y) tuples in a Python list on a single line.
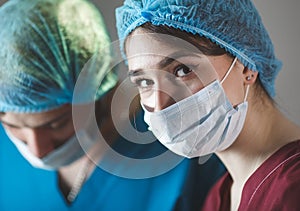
[(168, 69)]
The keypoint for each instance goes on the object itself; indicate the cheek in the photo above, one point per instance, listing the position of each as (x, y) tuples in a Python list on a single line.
[(234, 89), (16, 132), (148, 99), (195, 85), (63, 133)]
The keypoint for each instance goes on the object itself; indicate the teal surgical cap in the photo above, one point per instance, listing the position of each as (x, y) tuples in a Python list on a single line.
[(44, 46), (235, 25)]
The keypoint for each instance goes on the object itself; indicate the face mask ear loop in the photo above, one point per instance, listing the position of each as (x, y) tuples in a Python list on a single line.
[(247, 91), (229, 70)]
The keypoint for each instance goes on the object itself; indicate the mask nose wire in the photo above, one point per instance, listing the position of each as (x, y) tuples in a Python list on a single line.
[(229, 70)]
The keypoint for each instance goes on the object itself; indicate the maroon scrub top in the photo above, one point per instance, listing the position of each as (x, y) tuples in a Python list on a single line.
[(275, 185)]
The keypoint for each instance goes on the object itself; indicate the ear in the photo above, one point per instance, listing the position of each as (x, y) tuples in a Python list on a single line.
[(250, 76)]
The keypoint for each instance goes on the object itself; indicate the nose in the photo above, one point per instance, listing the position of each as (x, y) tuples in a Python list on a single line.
[(162, 100), (165, 92), (164, 95), (168, 92), (39, 142)]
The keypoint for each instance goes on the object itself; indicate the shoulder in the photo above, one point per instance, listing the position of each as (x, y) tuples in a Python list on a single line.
[(287, 180), (280, 188), (284, 192)]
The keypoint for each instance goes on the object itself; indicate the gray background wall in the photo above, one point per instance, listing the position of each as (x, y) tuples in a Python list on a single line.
[(282, 19)]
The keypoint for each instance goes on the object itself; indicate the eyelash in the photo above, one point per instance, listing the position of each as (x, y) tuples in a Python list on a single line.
[(184, 67), (138, 80), (10, 126)]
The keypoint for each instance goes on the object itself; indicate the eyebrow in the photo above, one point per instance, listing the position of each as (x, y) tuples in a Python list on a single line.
[(60, 117), (164, 62)]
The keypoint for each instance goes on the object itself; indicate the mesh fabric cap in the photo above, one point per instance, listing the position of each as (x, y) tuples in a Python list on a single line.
[(234, 25), (44, 46)]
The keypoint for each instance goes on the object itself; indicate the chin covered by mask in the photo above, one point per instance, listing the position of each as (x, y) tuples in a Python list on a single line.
[(201, 124), (64, 155)]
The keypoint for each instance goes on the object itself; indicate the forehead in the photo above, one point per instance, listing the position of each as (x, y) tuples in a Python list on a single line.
[(140, 45), (34, 119)]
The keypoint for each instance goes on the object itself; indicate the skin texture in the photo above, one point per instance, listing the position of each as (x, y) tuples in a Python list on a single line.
[(265, 130), (41, 132), (158, 85)]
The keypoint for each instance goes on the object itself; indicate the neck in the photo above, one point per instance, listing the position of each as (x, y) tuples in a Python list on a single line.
[(264, 132), (72, 177)]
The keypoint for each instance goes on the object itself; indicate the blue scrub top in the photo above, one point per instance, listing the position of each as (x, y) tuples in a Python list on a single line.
[(184, 187)]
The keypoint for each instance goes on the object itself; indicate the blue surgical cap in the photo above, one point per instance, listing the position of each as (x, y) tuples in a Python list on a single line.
[(234, 25), (44, 46)]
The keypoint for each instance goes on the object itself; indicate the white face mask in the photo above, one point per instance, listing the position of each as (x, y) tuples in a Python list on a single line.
[(62, 156), (201, 124)]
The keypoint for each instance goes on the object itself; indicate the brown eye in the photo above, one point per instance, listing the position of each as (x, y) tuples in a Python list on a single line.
[(182, 71), (143, 83)]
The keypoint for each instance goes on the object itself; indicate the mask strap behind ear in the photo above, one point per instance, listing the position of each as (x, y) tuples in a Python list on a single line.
[(247, 91), (229, 70)]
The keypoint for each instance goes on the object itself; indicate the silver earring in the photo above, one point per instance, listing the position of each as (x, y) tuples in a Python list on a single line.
[(248, 78)]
